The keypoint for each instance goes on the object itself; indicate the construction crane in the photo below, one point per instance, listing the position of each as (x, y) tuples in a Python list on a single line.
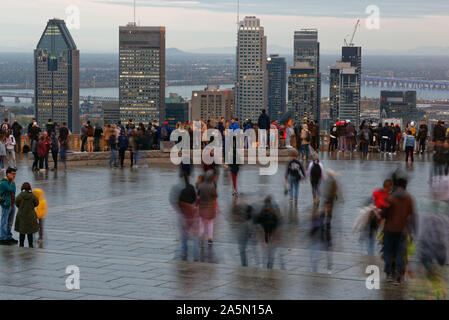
[(351, 44)]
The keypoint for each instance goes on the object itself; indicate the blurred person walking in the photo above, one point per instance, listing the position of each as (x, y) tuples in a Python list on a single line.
[(269, 219), (316, 174), (189, 219), (293, 175), (242, 215), (321, 222), (400, 220), (207, 206)]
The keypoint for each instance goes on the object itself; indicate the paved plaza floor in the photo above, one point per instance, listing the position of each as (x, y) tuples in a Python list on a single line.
[(118, 227)]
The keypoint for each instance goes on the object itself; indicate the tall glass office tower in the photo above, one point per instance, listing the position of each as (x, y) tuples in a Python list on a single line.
[(142, 73), (56, 71)]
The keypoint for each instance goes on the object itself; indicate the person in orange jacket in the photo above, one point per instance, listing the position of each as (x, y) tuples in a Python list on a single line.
[(41, 210)]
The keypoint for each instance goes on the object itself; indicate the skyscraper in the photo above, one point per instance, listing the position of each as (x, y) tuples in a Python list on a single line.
[(56, 70), (252, 79), (307, 50), (212, 104), (142, 73), (302, 91), (344, 93), (277, 82), (353, 55), (399, 105)]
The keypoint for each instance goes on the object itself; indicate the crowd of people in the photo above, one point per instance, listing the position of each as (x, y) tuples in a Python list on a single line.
[(387, 138)]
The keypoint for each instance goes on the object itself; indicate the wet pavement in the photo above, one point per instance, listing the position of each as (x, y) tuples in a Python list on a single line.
[(118, 227)]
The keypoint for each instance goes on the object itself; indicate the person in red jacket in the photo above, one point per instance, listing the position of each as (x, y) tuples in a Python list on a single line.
[(43, 147), (380, 195), (380, 201)]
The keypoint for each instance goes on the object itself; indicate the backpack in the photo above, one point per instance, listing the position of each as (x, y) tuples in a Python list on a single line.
[(164, 132), (112, 140), (295, 169), (315, 173), (90, 131), (365, 135), (308, 138), (5, 129), (422, 134)]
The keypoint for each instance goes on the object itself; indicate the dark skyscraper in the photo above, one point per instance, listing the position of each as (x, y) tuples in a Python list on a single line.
[(344, 93), (399, 105), (353, 55), (142, 73), (277, 82), (56, 71), (302, 91), (307, 50)]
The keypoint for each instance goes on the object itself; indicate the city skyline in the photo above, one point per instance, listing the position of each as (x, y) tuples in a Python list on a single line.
[(213, 25)]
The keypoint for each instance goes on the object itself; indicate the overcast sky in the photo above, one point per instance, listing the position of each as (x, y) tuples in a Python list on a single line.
[(195, 24)]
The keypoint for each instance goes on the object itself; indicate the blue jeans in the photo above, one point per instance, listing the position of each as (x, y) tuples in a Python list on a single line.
[(294, 187), (113, 157), (304, 148), (185, 236), (394, 248), (6, 222)]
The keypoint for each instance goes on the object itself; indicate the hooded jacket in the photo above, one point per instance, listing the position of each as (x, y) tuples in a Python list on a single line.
[(41, 210), (26, 219), (6, 189)]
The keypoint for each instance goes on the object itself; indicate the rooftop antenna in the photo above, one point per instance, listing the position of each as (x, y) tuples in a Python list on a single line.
[(134, 5), (238, 13)]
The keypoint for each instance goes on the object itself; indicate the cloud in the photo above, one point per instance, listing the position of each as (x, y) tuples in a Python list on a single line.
[(317, 8)]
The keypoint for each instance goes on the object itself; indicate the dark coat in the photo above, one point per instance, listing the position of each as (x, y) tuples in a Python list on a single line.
[(26, 219), (264, 122)]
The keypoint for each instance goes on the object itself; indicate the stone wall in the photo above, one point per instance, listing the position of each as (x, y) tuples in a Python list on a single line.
[(146, 157)]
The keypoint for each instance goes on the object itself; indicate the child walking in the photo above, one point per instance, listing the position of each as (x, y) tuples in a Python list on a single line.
[(41, 211), (26, 219)]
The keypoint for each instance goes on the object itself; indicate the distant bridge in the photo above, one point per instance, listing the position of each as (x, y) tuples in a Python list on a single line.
[(398, 83), (25, 95)]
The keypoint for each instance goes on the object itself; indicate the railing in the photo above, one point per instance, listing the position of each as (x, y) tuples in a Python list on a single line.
[(74, 142)]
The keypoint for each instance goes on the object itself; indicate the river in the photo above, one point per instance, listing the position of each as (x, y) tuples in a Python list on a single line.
[(186, 92)]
